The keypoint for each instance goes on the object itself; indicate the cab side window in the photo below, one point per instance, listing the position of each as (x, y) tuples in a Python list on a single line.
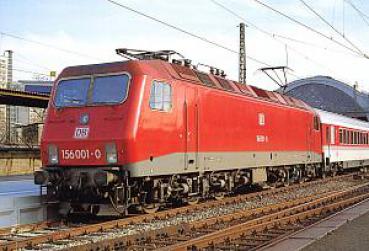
[(161, 96)]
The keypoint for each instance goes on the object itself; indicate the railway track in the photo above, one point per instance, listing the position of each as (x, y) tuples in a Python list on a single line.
[(243, 229), (177, 227), (256, 233)]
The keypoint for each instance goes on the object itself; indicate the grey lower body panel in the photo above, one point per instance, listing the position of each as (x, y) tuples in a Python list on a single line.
[(218, 161)]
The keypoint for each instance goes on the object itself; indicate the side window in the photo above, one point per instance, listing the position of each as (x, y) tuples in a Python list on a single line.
[(161, 96), (333, 134), (316, 123), (327, 135)]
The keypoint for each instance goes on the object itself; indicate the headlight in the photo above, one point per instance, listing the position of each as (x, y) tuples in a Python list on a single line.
[(111, 153), (53, 154)]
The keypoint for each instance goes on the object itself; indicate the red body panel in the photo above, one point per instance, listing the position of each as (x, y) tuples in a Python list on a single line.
[(201, 119)]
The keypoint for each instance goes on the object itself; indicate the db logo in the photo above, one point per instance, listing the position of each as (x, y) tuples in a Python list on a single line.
[(81, 132)]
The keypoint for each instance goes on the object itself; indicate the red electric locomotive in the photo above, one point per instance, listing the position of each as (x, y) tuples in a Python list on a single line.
[(144, 133)]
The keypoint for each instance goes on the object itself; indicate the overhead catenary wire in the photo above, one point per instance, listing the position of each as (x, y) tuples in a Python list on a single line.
[(17, 69), (331, 26), (76, 53), (333, 16), (343, 17), (274, 36), (30, 72), (363, 16), (294, 20), (251, 25), (318, 46), (179, 29), (27, 61)]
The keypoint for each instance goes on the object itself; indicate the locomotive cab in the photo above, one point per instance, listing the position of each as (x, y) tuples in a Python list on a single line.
[(89, 121)]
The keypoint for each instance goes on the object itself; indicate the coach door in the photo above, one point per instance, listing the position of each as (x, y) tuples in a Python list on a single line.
[(191, 127), (330, 140)]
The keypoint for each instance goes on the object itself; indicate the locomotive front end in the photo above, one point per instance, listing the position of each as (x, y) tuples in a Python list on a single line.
[(84, 135)]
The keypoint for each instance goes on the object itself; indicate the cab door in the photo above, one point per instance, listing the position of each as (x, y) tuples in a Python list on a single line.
[(191, 128)]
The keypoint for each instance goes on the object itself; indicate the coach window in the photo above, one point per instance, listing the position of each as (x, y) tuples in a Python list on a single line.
[(362, 138), (357, 138), (327, 138), (333, 134), (347, 137), (353, 137), (341, 136), (161, 96)]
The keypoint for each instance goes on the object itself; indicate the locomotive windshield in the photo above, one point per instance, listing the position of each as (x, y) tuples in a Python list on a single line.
[(111, 89)]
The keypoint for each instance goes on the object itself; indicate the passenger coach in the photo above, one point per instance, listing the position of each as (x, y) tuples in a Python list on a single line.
[(345, 141)]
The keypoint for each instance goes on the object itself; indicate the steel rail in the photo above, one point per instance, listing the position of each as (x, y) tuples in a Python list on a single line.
[(183, 233), (27, 227), (284, 217), (16, 242)]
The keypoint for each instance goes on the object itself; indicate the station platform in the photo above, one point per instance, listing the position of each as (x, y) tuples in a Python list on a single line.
[(18, 160), (20, 201), (345, 230), (18, 186), (352, 236)]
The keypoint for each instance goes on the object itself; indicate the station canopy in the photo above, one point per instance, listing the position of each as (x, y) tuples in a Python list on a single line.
[(331, 95), (23, 98)]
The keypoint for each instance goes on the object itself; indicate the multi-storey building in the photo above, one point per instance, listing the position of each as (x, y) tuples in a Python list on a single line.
[(22, 116), (14, 118), (6, 78), (3, 67)]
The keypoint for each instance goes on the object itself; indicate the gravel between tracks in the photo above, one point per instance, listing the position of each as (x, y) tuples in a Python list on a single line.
[(255, 202)]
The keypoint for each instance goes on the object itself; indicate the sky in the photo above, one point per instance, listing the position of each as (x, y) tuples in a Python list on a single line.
[(95, 28)]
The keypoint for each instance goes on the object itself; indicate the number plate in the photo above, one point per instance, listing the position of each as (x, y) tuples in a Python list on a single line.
[(81, 132), (80, 154)]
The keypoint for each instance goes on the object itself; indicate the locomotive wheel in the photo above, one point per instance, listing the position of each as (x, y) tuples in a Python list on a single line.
[(150, 208), (94, 209), (219, 195), (193, 200), (120, 210)]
